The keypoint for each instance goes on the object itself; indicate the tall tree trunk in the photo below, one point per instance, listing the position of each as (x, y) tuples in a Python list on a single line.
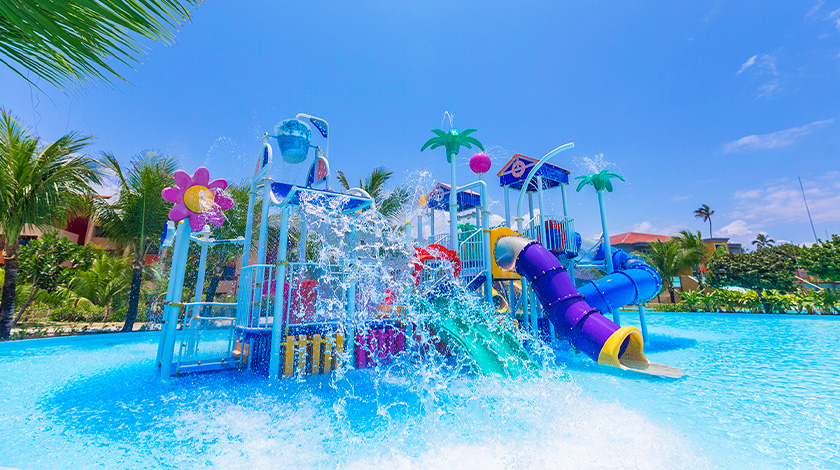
[(133, 296), (7, 300), (671, 291), (25, 305)]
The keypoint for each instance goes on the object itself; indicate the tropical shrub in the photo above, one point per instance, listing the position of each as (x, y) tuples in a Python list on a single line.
[(768, 301)]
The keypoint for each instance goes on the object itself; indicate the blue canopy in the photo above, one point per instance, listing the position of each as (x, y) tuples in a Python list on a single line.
[(288, 194), (439, 198), (517, 169)]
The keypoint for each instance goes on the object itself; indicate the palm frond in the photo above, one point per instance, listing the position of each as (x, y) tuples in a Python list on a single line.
[(434, 141), (342, 179), (474, 141), (73, 42)]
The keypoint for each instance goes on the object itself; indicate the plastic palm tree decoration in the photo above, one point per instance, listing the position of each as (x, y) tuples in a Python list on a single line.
[(601, 181), (452, 141)]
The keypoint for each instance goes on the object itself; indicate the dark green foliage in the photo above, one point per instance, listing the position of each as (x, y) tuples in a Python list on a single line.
[(823, 259), (51, 261), (48, 263), (768, 268)]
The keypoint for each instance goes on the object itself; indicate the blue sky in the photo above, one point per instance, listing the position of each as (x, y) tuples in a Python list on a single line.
[(722, 103)]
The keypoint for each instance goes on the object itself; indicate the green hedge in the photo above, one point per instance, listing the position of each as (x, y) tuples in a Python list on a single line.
[(808, 301)]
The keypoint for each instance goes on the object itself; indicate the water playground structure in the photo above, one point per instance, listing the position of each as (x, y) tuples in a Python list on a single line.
[(355, 292)]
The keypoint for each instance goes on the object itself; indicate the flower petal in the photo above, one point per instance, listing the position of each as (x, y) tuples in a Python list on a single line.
[(220, 184), (197, 222), (182, 179), (179, 212), (223, 202), (201, 176), (175, 195), (215, 217)]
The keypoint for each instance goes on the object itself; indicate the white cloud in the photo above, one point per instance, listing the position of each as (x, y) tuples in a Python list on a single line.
[(770, 88), (109, 186), (763, 64), (647, 226), (774, 139), (780, 201), (681, 197), (738, 231), (835, 17), (751, 194), (749, 63)]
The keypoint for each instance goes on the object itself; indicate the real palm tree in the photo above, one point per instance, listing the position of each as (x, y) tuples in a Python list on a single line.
[(136, 219), (75, 41), (601, 182), (40, 185), (671, 260), (387, 203), (105, 284), (762, 240), (452, 141), (705, 213), (698, 251)]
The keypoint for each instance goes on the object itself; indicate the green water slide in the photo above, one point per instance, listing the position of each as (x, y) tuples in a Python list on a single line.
[(494, 349)]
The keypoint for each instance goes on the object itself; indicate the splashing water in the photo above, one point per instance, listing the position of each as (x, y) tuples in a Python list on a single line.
[(593, 164), (447, 119)]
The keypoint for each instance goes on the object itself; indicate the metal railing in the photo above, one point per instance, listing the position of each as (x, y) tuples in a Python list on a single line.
[(555, 232), (207, 336), (471, 252)]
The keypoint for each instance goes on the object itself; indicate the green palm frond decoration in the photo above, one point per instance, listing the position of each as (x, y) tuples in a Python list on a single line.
[(452, 141), (74, 41), (600, 181)]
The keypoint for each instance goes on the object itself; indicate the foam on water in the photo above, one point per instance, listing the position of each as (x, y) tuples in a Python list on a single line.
[(97, 402)]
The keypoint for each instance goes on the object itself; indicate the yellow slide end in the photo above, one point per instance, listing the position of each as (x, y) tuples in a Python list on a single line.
[(624, 349)]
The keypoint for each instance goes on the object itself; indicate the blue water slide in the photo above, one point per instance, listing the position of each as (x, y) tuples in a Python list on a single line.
[(633, 282)]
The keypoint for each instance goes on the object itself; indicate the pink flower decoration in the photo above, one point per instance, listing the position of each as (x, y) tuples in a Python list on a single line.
[(198, 198), (480, 163)]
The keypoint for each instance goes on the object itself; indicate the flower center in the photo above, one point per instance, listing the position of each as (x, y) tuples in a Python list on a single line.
[(199, 199)]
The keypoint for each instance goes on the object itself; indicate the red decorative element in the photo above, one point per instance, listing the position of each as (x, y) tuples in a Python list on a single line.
[(434, 252)]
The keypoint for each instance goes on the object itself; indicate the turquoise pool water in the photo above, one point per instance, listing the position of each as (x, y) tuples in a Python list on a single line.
[(761, 392)]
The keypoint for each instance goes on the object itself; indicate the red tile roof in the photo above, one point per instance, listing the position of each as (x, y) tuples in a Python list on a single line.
[(630, 238)]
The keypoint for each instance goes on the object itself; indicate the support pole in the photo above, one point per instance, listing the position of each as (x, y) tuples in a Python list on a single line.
[(453, 207), (563, 197), (643, 323), (243, 297), (175, 277), (182, 243), (607, 249), (606, 244), (431, 225), (304, 233), (266, 202), (279, 289), (507, 208), (419, 229), (351, 302)]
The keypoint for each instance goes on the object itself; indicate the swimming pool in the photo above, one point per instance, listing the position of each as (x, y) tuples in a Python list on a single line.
[(761, 392)]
